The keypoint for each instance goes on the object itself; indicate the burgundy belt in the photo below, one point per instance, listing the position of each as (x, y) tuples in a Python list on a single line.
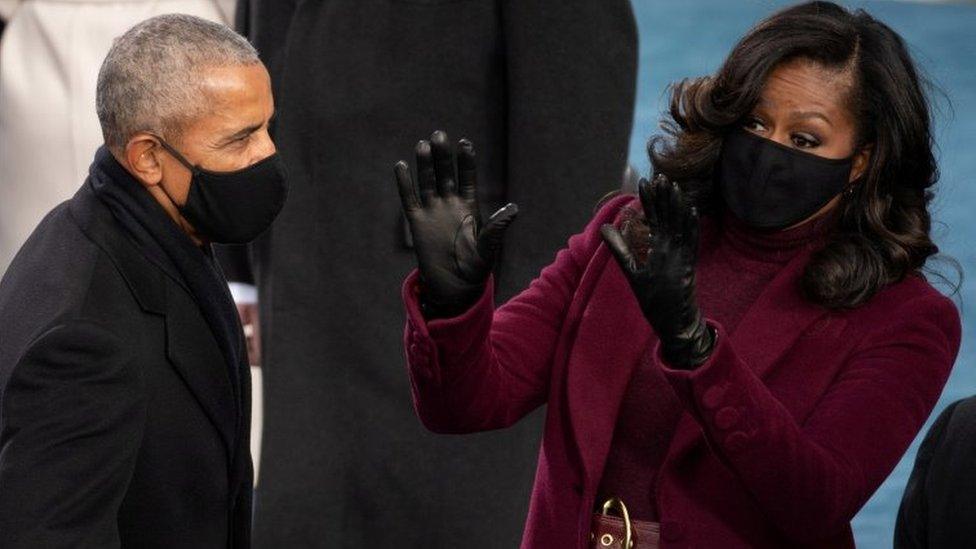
[(620, 532)]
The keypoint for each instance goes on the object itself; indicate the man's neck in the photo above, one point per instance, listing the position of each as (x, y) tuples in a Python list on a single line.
[(162, 198)]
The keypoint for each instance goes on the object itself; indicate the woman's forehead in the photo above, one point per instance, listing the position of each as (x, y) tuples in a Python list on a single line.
[(804, 85)]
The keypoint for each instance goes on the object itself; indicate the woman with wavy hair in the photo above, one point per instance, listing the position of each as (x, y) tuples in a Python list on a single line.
[(740, 355)]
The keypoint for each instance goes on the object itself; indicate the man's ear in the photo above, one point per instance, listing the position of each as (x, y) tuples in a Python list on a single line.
[(861, 160), (142, 157)]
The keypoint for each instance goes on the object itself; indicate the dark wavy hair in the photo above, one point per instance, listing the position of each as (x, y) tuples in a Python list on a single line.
[(883, 226)]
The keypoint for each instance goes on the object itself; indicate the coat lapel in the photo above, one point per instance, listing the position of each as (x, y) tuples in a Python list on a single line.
[(768, 330), (613, 334), (194, 354), (190, 347), (777, 319), (611, 337)]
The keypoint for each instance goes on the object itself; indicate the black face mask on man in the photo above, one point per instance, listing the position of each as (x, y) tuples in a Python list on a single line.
[(771, 186), (234, 207)]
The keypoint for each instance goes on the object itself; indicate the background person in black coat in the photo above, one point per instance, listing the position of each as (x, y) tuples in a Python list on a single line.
[(938, 508), (124, 383), (547, 87)]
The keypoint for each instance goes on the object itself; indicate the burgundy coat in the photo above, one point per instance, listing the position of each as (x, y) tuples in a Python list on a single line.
[(788, 428)]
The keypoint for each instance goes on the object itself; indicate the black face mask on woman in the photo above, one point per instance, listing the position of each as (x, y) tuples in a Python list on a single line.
[(771, 186), (234, 207)]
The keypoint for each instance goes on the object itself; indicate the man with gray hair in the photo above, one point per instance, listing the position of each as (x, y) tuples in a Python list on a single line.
[(124, 383)]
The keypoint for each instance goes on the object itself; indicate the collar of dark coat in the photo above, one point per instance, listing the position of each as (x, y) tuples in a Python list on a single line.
[(145, 279), (613, 333), (190, 347)]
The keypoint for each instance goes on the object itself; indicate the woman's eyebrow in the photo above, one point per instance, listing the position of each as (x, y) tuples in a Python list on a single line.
[(803, 115)]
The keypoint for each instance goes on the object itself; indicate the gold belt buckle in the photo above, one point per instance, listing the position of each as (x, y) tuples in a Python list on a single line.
[(617, 505)]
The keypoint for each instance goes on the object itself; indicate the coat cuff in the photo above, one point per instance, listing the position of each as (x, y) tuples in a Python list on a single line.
[(718, 394), (430, 343)]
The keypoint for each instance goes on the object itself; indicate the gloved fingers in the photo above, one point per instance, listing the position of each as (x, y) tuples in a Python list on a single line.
[(679, 211), (443, 164), (425, 171), (645, 191), (491, 236), (467, 174), (620, 249), (692, 228), (662, 194), (408, 191)]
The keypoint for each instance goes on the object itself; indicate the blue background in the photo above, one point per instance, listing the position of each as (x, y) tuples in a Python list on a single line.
[(682, 38)]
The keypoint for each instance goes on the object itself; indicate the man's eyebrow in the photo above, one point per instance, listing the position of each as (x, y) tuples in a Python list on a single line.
[(240, 134)]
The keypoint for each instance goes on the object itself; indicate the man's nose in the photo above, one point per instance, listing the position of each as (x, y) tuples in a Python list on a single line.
[(264, 148)]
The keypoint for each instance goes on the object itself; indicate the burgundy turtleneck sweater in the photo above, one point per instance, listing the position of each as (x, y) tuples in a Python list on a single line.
[(732, 272)]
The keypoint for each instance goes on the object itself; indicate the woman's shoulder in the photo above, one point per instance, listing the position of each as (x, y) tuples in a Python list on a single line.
[(912, 302), (912, 289)]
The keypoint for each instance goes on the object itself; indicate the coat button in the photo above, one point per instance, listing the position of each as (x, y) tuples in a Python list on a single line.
[(419, 352), (713, 397), (736, 441), (726, 418), (672, 530)]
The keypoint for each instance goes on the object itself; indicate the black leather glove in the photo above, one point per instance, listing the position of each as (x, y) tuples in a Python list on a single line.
[(664, 282), (455, 253)]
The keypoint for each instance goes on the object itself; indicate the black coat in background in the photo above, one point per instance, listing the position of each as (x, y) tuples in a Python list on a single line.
[(545, 89), (117, 415), (938, 509)]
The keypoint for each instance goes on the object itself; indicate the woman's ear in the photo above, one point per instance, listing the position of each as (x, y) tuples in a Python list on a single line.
[(861, 160)]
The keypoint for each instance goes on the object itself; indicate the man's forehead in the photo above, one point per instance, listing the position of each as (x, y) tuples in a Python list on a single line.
[(236, 98), (235, 83)]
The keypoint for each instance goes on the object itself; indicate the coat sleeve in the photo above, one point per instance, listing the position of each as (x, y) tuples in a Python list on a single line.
[(939, 504), (912, 525), (71, 422), (487, 368), (265, 23), (812, 477), (571, 74)]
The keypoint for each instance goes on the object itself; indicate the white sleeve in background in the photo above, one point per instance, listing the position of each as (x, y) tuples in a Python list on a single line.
[(243, 294), (227, 8), (7, 8)]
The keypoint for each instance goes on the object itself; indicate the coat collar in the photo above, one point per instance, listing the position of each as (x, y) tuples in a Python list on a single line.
[(613, 334), (144, 279), (189, 346)]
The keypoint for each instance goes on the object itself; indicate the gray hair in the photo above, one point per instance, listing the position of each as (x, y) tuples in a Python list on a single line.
[(150, 80)]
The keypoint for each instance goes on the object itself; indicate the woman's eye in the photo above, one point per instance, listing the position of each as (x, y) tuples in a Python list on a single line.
[(804, 141), (754, 124)]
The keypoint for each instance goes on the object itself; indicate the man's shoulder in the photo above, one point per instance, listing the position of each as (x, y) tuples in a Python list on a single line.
[(54, 266), (963, 417), (60, 276)]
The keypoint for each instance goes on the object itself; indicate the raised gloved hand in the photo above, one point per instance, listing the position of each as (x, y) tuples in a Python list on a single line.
[(664, 282), (455, 254)]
